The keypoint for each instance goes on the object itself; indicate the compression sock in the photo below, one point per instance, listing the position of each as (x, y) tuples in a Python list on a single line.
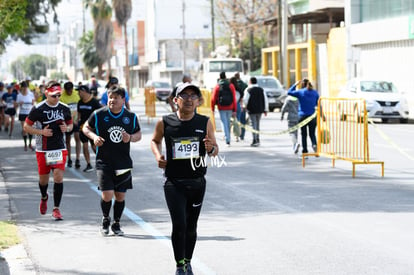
[(106, 207), (43, 190), (57, 193), (30, 139), (25, 140), (181, 263), (118, 209)]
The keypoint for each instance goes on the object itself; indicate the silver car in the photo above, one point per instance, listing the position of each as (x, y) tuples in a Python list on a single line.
[(274, 90)]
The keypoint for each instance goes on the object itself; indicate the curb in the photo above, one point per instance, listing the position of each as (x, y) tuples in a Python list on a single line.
[(13, 260)]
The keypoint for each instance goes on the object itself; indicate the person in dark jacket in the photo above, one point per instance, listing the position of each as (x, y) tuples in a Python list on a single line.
[(256, 102)]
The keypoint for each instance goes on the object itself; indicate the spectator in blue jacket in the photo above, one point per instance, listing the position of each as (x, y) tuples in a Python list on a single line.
[(308, 101)]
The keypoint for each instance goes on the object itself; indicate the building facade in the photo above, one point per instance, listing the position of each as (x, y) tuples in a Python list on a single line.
[(380, 43), (177, 35)]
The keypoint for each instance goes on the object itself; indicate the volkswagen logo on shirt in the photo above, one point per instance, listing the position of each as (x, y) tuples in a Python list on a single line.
[(115, 134)]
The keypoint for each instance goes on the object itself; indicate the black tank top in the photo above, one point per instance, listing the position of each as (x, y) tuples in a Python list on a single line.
[(185, 146)]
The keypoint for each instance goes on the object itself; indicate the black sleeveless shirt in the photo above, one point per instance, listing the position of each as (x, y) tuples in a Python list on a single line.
[(185, 146)]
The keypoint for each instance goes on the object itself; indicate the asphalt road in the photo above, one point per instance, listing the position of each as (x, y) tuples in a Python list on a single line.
[(263, 212)]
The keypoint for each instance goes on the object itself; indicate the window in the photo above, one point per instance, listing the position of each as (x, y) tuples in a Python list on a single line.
[(380, 9)]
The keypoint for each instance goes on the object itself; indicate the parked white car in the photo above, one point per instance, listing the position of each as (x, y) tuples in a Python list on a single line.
[(382, 99)]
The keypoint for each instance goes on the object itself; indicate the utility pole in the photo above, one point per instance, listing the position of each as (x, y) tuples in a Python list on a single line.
[(283, 41), (83, 16), (184, 44), (212, 25)]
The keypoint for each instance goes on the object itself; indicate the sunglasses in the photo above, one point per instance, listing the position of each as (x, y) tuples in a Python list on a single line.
[(187, 96), (55, 96)]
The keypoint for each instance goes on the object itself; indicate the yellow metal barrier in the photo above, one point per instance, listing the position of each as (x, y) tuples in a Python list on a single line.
[(301, 62), (205, 107), (150, 99), (342, 132)]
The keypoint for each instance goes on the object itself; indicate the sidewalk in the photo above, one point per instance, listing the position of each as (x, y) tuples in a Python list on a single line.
[(13, 260)]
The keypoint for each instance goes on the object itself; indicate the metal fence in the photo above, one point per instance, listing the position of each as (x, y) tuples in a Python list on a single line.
[(342, 132)]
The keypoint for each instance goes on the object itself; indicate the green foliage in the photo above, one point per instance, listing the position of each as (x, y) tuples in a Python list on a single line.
[(12, 20), (243, 51), (34, 65), (8, 235), (88, 50), (59, 76), (24, 19)]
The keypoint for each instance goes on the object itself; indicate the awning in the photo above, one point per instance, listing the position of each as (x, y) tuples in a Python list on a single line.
[(326, 15)]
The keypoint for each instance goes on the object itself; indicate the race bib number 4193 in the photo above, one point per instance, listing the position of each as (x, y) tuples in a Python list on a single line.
[(186, 148)]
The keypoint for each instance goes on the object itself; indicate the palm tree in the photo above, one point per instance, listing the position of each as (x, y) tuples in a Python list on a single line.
[(88, 50), (101, 14), (123, 10)]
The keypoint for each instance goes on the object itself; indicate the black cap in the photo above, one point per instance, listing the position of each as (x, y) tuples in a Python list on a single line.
[(112, 80), (190, 86), (84, 88)]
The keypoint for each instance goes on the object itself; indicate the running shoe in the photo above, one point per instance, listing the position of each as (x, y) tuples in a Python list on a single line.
[(56, 214), (188, 269), (70, 163), (77, 164), (116, 228), (180, 271), (106, 221), (88, 168), (31, 147), (314, 148), (43, 206)]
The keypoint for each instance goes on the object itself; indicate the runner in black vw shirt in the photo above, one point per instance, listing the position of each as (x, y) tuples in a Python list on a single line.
[(49, 120), (188, 138), (112, 128)]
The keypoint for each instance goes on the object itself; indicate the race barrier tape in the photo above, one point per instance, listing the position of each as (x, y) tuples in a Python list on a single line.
[(292, 129), (389, 140)]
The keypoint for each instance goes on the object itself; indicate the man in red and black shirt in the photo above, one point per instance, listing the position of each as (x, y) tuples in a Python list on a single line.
[(49, 121)]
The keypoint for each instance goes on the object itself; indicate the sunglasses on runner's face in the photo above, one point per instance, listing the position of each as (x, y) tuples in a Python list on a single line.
[(187, 96), (55, 96)]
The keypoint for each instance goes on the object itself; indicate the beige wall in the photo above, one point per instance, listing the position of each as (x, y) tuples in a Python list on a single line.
[(336, 49)]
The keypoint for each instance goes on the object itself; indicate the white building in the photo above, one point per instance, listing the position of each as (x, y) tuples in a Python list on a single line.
[(380, 42)]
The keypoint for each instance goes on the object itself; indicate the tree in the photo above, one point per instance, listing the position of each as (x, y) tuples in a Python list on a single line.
[(24, 19), (244, 19), (12, 20), (101, 15), (87, 48), (259, 42), (16, 68), (34, 65), (123, 10)]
